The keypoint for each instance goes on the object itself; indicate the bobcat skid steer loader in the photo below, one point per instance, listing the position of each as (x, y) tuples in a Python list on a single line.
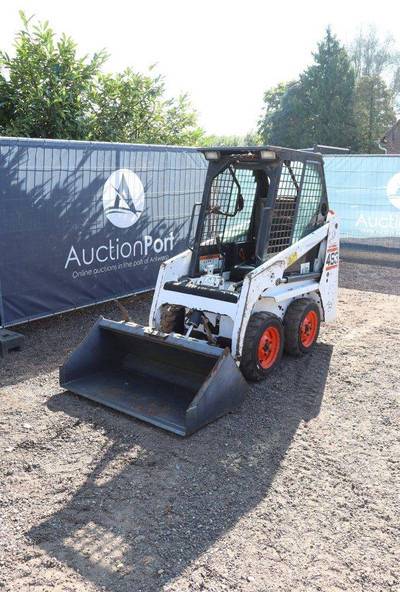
[(259, 275)]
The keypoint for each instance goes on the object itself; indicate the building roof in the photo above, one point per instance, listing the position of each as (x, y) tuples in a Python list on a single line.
[(389, 130)]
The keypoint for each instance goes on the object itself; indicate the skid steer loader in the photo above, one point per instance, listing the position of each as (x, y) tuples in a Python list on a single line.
[(259, 275)]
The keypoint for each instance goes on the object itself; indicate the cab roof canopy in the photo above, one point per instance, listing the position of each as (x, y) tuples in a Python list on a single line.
[(256, 153)]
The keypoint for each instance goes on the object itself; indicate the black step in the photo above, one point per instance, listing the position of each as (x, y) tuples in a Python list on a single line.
[(203, 291)]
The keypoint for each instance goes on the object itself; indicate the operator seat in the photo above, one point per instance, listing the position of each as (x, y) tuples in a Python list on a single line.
[(239, 271)]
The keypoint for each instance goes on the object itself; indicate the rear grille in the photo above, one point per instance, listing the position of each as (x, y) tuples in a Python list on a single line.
[(285, 207)]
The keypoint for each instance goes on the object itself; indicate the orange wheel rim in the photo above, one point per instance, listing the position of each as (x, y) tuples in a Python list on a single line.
[(309, 329), (268, 347)]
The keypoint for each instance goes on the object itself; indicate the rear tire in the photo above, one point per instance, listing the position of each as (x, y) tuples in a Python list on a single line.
[(262, 346), (172, 319), (302, 323)]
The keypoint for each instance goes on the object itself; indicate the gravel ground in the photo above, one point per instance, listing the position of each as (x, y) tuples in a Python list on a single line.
[(297, 490)]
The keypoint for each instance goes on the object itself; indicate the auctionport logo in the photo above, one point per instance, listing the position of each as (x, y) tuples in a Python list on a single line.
[(393, 190), (123, 203), (123, 198), (386, 225)]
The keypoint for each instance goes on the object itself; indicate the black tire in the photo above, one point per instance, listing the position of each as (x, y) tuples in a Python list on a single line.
[(172, 319), (252, 366), (299, 339)]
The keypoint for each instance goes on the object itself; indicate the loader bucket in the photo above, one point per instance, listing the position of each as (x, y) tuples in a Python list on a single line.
[(177, 383)]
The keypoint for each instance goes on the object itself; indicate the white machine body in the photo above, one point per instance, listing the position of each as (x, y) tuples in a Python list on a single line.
[(263, 289)]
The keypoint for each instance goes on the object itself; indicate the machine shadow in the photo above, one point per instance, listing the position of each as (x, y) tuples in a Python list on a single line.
[(139, 522)]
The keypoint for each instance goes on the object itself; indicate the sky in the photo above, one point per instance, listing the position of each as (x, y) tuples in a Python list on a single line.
[(224, 54)]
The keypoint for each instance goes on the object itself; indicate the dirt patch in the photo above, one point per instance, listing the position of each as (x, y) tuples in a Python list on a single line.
[(297, 490), (370, 278)]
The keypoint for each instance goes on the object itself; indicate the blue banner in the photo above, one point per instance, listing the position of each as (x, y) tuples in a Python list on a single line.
[(82, 223), (365, 191)]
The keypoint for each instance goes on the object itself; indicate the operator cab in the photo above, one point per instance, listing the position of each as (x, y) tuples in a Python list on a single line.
[(257, 201), (237, 193)]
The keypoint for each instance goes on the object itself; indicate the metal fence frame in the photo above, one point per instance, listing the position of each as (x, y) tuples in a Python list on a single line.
[(357, 186), (53, 189), (353, 181)]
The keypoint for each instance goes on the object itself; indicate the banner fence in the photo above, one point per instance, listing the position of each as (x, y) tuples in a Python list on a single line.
[(365, 191), (82, 223)]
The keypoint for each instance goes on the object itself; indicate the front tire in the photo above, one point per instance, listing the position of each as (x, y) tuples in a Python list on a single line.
[(302, 323), (262, 346)]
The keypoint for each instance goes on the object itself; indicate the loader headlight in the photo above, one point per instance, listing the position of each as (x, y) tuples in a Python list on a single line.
[(212, 155), (267, 155)]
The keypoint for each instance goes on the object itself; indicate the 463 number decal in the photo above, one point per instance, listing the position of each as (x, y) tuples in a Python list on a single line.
[(332, 259)]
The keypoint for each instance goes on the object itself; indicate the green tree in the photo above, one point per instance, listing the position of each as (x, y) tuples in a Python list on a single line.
[(372, 55), (329, 94), (376, 63), (374, 112), (6, 107), (43, 92), (130, 107), (217, 140), (288, 125), (316, 108), (272, 104), (250, 139), (46, 91)]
